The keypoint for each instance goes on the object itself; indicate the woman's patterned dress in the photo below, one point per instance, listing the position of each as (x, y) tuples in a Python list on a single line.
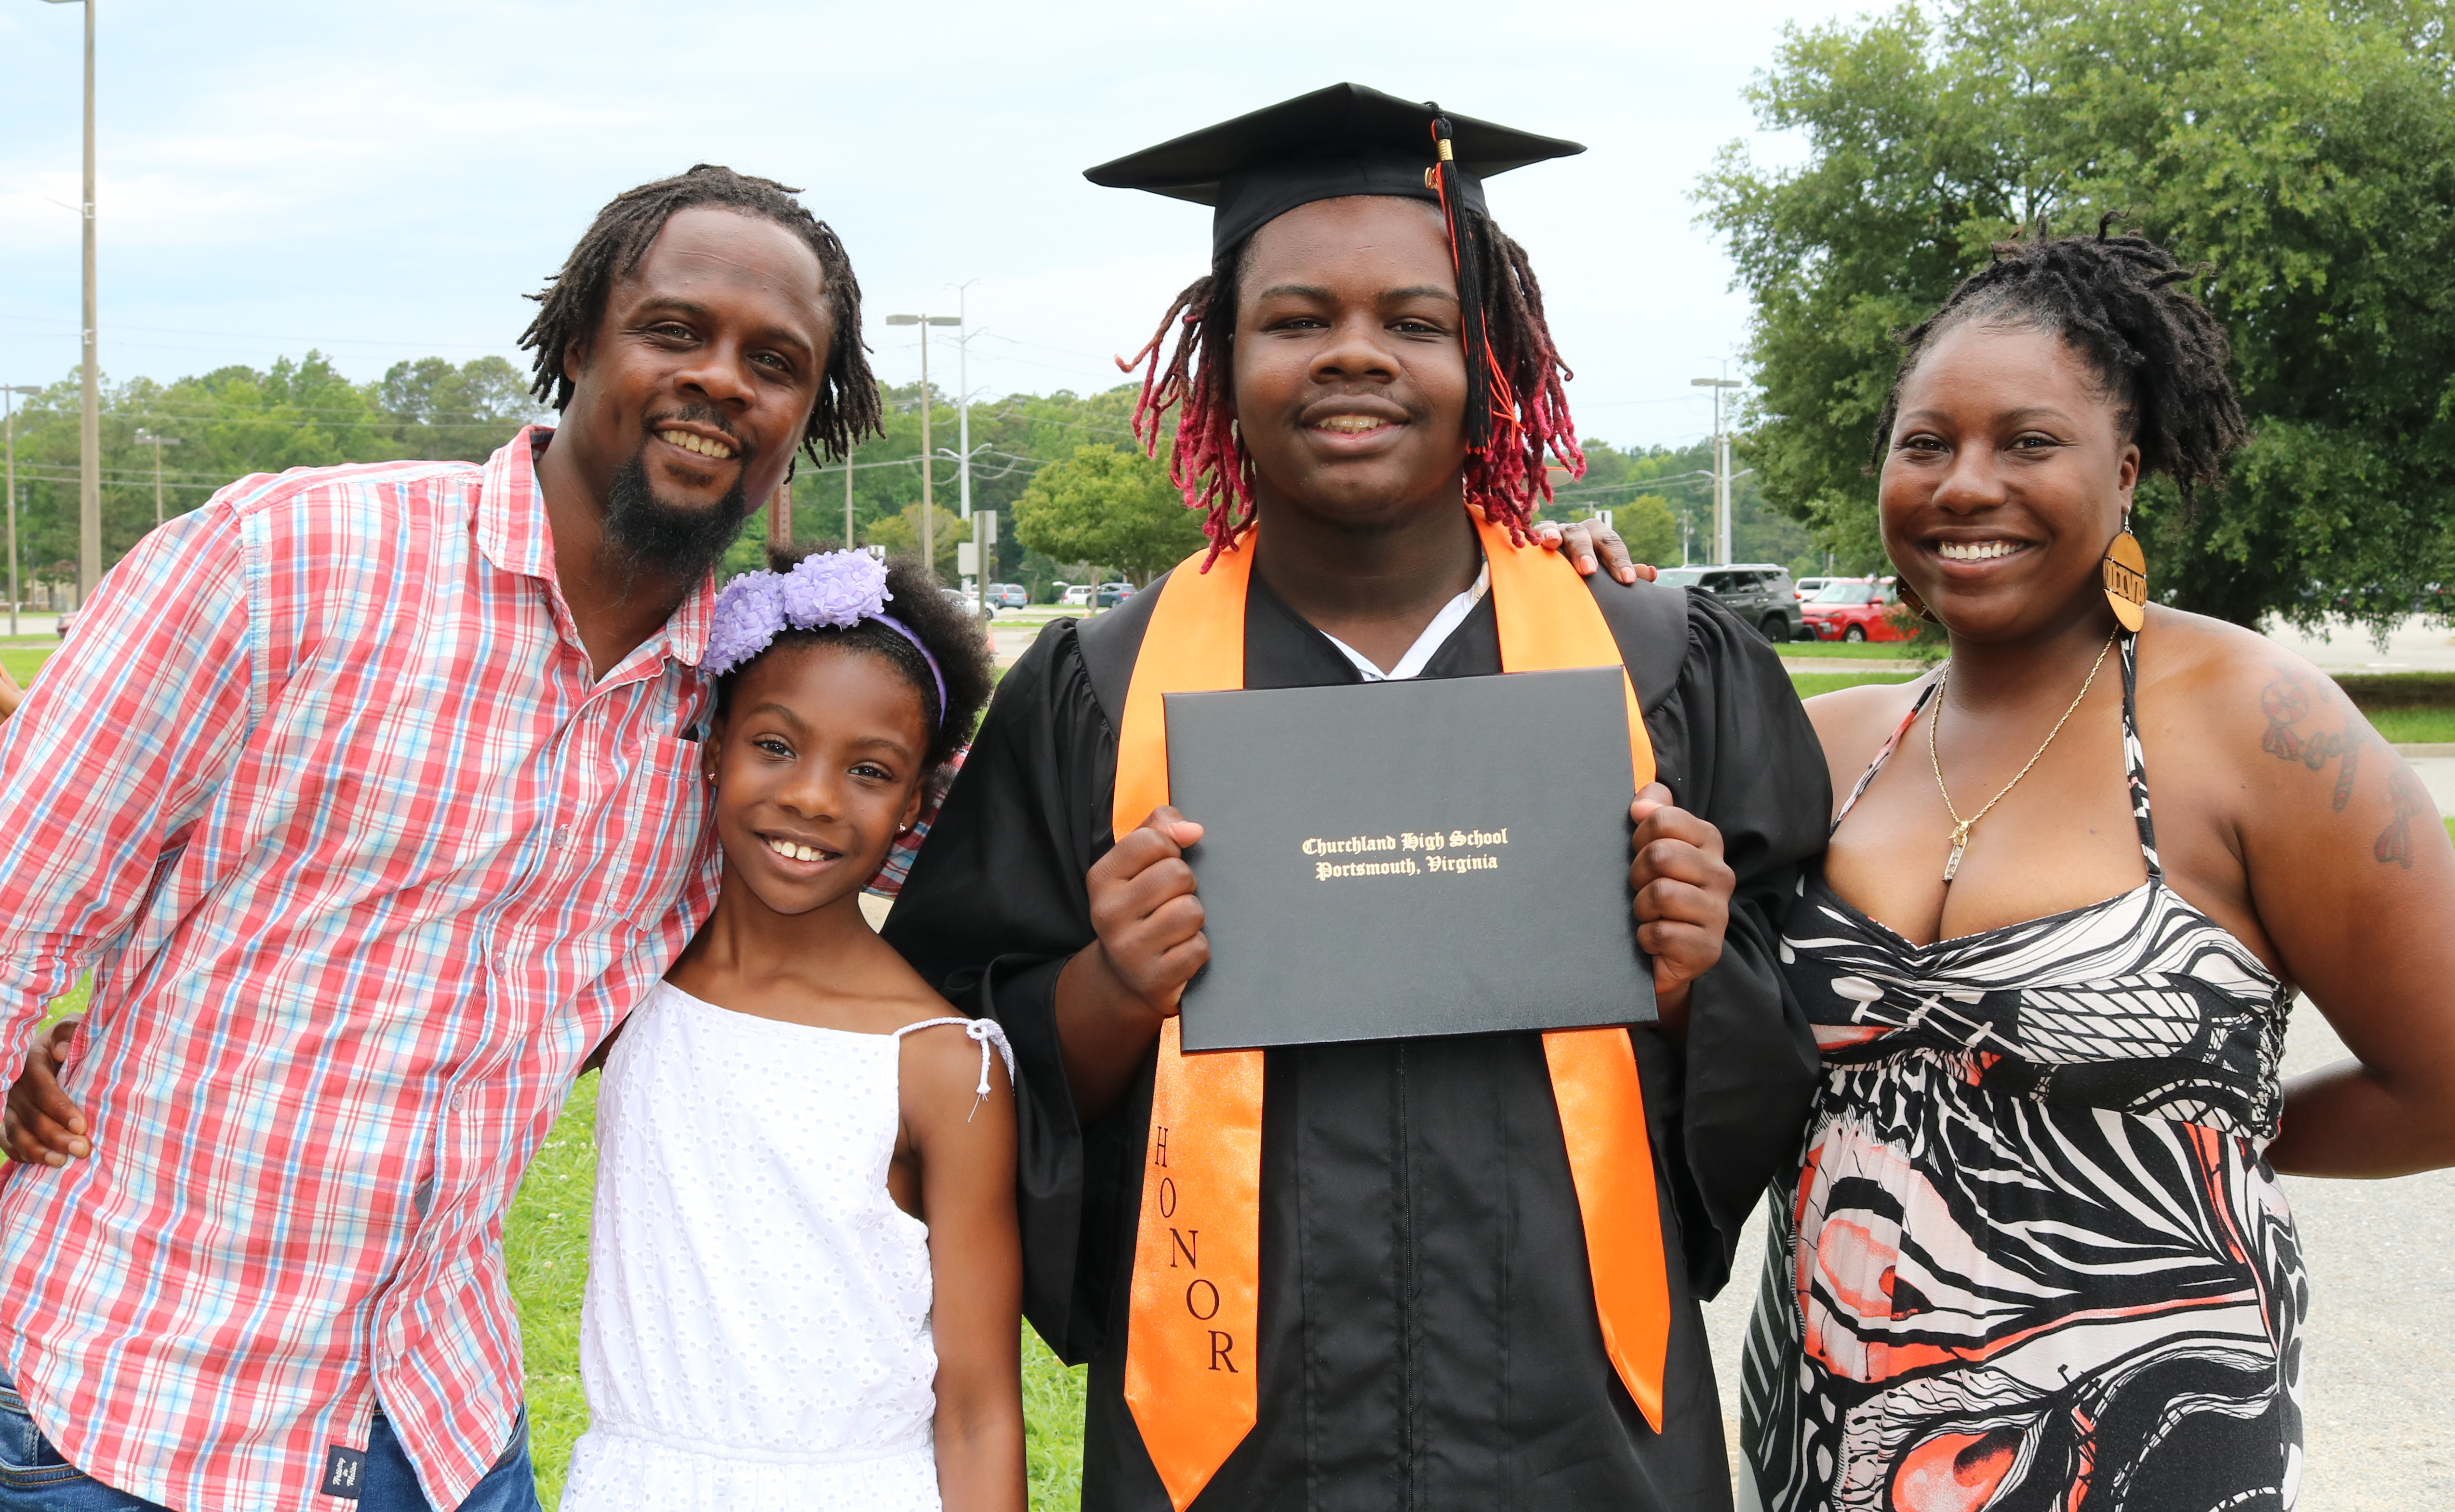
[(2034, 1257)]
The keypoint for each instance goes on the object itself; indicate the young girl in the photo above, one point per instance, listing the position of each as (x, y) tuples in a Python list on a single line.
[(803, 1274)]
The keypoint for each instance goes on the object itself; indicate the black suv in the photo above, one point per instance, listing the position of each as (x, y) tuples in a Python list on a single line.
[(1760, 593)]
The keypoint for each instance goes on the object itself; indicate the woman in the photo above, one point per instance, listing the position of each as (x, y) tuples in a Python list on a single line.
[(2037, 1255)]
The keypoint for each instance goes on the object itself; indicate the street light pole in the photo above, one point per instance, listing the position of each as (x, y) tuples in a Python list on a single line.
[(10, 392), (1721, 468), (964, 392), (89, 426), (928, 498), (157, 443)]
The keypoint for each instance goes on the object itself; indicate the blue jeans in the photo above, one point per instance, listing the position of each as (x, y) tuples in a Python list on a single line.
[(34, 1476)]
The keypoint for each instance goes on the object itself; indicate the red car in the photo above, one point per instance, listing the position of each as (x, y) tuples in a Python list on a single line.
[(1857, 608)]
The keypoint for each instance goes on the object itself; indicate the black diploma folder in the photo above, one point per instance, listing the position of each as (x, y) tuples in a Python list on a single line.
[(1384, 860)]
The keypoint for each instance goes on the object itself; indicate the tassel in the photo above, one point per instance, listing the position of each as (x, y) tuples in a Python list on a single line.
[(1494, 431), (1466, 261)]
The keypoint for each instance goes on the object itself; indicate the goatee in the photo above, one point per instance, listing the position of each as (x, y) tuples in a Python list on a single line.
[(644, 534)]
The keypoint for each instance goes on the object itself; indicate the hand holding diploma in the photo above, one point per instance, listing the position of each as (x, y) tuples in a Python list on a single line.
[(1114, 993), (1683, 897)]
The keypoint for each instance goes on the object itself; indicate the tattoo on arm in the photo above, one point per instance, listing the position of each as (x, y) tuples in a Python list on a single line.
[(2411, 800), (2292, 735)]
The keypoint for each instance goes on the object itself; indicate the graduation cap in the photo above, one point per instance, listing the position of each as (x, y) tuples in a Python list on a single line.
[(1346, 139), (1349, 139)]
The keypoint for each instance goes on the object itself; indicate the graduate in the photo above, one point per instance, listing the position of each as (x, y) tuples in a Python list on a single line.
[(1427, 1273)]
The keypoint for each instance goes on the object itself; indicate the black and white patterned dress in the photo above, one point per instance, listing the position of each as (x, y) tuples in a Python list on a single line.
[(2033, 1258)]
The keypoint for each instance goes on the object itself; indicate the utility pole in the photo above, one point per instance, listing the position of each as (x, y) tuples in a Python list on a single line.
[(780, 513), (848, 498), (928, 498), (89, 426), (10, 392), (1721, 468), (157, 443), (964, 394)]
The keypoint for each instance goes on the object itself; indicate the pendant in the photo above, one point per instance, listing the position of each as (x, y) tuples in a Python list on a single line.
[(1960, 843)]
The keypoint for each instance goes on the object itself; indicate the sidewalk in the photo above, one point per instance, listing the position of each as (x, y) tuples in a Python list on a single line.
[(2413, 646)]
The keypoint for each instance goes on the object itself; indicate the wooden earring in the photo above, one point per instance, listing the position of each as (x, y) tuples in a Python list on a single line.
[(1911, 601), (2126, 572)]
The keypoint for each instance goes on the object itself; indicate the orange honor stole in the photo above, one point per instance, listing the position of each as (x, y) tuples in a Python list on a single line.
[(1190, 1340)]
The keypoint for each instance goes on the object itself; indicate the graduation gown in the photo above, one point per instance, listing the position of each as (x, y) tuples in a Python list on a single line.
[(1428, 1336)]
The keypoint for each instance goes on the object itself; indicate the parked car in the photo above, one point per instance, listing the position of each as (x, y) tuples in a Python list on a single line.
[(1808, 588), (1112, 594), (67, 619), (970, 605), (1077, 597), (1858, 609), (1009, 596), (1758, 593)]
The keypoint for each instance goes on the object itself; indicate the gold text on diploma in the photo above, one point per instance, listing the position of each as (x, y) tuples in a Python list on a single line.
[(1404, 865)]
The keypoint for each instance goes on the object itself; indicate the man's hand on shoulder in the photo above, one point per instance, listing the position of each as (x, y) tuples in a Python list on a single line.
[(1584, 541), (42, 1126), (1683, 897)]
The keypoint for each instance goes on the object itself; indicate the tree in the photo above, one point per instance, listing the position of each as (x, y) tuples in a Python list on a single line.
[(2306, 151), (901, 534), (1116, 509), (1646, 523), (461, 413)]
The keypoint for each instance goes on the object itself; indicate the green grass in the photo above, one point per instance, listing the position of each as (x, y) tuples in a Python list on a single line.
[(545, 1254), (2414, 726), (24, 661), (1811, 683), (1859, 651)]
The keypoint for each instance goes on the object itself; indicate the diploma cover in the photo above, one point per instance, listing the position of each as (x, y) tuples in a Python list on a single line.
[(1441, 856)]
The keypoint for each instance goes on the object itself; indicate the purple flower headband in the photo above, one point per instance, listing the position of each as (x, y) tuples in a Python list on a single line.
[(832, 590)]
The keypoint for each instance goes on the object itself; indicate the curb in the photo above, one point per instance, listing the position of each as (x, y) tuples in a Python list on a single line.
[(2427, 748)]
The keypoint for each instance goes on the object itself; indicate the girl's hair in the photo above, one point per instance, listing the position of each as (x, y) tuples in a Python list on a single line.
[(2116, 300), (946, 626), (1525, 414), (573, 305)]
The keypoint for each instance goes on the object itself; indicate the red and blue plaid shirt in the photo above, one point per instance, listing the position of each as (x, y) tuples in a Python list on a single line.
[(365, 860)]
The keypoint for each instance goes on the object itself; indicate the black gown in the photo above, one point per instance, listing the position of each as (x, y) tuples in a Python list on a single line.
[(1428, 1337)]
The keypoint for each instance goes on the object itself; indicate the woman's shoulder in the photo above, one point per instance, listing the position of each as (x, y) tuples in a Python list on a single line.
[(2233, 686), (1853, 723)]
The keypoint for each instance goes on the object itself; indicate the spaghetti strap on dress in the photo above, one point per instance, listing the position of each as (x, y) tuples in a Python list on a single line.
[(2034, 1257)]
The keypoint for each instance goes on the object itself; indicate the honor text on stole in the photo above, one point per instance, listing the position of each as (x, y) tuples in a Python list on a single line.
[(1185, 1249)]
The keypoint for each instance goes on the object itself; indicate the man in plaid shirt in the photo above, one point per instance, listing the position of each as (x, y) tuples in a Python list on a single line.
[(368, 793)]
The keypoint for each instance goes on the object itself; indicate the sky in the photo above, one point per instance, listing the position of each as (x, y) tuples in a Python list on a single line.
[(386, 182)]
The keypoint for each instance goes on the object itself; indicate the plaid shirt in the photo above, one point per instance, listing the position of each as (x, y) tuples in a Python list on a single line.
[(365, 862)]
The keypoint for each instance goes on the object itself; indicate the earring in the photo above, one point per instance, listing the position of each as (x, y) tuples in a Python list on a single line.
[(2125, 574), (1911, 601)]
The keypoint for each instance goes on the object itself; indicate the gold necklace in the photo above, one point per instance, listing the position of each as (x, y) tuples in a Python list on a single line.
[(1961, 827)]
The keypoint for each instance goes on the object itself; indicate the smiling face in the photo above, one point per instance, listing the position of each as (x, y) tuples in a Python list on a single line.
[(688, 400), (1349, 375), (817, 760), (2007, 473)]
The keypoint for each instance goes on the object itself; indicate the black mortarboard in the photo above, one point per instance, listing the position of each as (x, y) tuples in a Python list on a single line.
[(1346, 139)]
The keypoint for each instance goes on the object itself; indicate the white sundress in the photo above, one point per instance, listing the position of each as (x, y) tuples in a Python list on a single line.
[(755, 1329)]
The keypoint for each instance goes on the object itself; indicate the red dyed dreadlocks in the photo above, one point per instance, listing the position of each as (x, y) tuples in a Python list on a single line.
[(1516, 407)]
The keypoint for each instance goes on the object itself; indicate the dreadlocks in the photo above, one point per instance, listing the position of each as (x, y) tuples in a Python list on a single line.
[(2114, 299), (847, 408), (1527, 408)]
